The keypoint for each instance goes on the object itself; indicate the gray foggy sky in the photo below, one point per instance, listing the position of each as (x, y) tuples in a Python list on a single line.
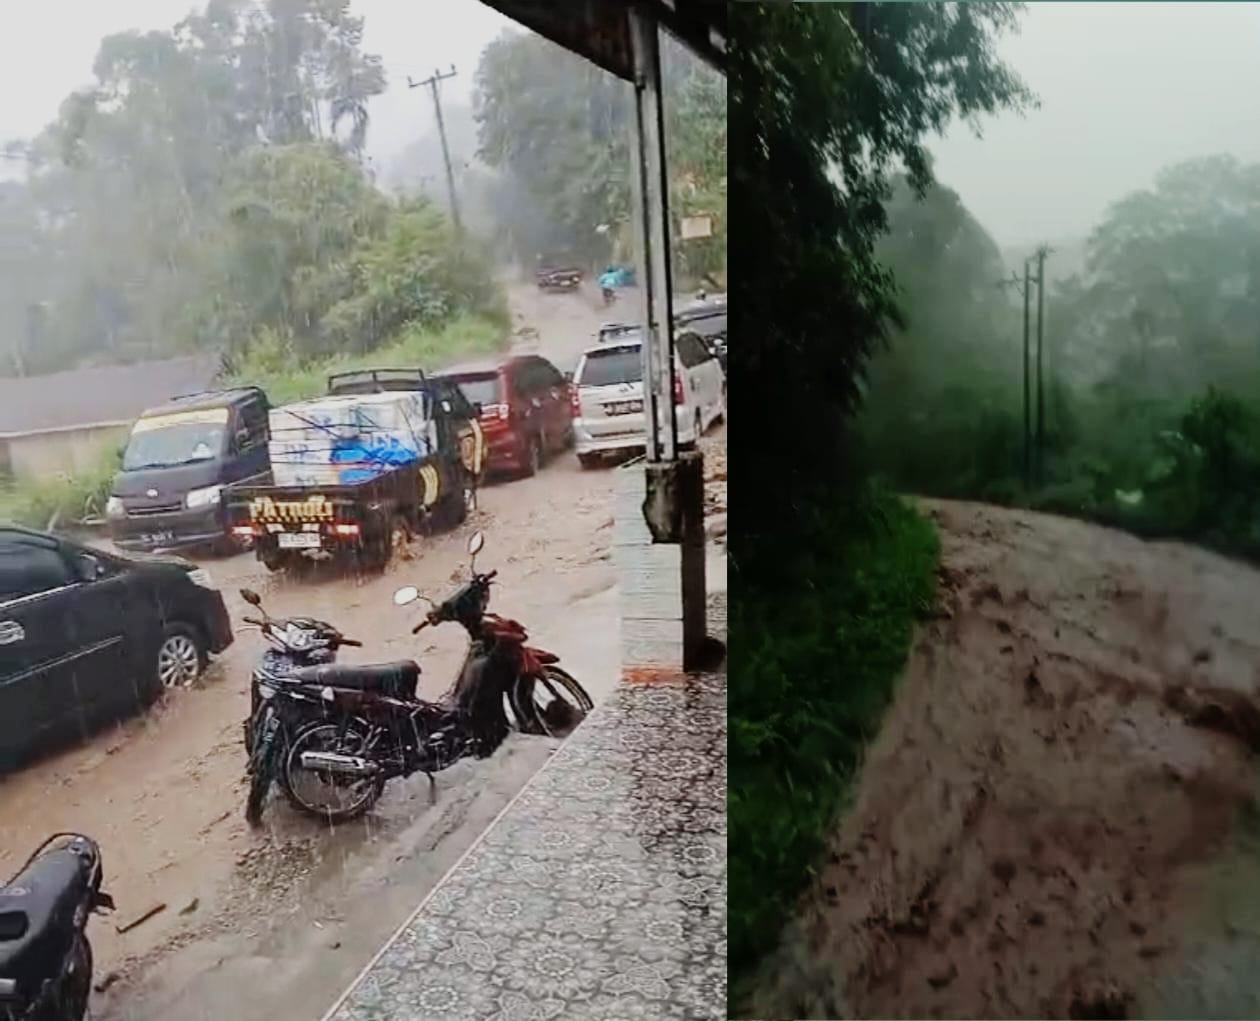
[(1126, 88), (49, 48)]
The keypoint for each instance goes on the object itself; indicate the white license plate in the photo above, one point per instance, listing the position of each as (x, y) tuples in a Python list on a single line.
[(623, 407), (299, 540), (157, 538)]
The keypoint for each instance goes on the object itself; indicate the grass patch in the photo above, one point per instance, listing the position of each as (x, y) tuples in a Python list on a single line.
[(273, 365), (68, 498), (818, 654)]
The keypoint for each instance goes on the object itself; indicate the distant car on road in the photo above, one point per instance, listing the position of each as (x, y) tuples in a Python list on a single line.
[(88, 637), (524, 403), (607, 395)]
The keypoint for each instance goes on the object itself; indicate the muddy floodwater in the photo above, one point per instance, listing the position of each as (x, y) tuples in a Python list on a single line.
[(276, 923), (1058, 817)]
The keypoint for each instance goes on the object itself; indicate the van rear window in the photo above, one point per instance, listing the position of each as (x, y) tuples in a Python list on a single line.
[(481, 389), (611, 366)]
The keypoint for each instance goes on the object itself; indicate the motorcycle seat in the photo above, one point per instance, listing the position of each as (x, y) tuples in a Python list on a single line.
[(397, 679), (37, 909)]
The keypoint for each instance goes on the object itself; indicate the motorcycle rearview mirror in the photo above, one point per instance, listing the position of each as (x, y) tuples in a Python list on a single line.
[(476, 543), (251, 597), (406, 595)]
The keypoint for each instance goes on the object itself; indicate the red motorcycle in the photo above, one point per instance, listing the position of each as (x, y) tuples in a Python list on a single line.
[(332, 735)]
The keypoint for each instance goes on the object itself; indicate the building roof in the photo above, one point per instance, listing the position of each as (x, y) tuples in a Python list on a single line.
[(101, 395), (600, 31)]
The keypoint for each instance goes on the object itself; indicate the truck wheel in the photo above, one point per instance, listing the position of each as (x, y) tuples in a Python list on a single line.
[(273, 559)]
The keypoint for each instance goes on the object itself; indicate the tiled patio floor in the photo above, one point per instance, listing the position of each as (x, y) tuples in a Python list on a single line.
[(600, 895)]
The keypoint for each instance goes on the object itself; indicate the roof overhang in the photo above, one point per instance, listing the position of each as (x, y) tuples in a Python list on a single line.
[(599, 30)]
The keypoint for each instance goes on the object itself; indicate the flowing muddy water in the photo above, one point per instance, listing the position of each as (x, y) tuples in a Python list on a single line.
[(1058, 817), (276, 923)]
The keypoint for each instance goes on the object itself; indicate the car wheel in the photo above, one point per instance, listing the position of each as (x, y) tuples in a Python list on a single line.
[(181, 656), (535, 455)]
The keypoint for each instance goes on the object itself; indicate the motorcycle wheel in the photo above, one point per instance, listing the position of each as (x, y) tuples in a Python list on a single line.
[(261, 770), (70, 1001), (563, 704), (324, 736)]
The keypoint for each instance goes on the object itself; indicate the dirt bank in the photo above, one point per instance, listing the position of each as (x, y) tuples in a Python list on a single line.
[(1058, 817)]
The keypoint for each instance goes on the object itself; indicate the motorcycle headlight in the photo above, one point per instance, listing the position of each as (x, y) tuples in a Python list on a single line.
[(266, 691), (207, 497), (114, 507)]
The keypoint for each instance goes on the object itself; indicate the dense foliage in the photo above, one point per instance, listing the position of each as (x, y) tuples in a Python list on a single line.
[(208, 190), (828, 101), (1153, 349), (560, 130)]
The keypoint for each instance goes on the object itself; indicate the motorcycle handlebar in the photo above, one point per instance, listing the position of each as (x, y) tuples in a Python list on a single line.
[(419, 627), (350, 641)]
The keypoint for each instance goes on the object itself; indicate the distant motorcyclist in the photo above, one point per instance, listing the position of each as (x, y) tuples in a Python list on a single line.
[(608, 281)]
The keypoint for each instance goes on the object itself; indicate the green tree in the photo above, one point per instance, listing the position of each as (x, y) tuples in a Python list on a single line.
[(1170, 296), (559, 130), (828, 103)]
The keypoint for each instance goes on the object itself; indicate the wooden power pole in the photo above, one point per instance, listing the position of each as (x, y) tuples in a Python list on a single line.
[(432, 82)]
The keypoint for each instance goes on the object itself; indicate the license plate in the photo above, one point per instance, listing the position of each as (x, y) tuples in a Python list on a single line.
[(299, 540), (157, 538), (623, 407)]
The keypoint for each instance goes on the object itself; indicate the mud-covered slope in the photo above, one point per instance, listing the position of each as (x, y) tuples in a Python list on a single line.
[(1057, 817)]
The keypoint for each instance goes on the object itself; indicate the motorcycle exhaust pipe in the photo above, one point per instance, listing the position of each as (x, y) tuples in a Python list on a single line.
[(343, 765)]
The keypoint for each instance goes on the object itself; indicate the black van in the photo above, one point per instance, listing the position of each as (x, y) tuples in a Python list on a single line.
[(179, 458)]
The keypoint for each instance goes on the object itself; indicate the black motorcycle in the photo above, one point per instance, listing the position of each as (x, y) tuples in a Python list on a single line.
[(330, 736), (45, 956)]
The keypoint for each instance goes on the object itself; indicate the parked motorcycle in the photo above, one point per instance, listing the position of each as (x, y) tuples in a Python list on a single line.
[(45, 956), (331, 736)]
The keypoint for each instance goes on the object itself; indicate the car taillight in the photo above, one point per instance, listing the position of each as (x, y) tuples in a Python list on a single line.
[(575, 403), (680, 396)]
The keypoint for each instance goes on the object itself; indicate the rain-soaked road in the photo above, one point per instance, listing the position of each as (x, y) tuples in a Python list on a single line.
[(274, 924)]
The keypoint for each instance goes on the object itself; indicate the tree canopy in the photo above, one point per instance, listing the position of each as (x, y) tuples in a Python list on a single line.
[(209, 186), (829, 103), (559, 130)]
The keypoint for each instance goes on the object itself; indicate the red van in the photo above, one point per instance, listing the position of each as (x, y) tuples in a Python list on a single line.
[(524, 409)]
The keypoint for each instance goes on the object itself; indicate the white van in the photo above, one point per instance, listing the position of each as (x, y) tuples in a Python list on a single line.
[(607, 399)]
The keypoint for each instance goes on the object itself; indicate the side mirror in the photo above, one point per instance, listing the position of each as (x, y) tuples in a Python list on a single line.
[(251, 597), (476, 543), (89, 567), (406, 595)]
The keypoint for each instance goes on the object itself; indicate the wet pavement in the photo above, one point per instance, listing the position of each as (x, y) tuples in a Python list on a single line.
[(600, 893)]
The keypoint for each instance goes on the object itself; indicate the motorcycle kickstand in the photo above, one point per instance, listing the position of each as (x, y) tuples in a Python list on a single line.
[(432, 789)]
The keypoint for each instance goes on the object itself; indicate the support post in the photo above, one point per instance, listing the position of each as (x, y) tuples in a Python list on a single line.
[(659, 516)]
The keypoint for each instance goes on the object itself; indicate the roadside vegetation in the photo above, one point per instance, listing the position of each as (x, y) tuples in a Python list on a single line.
[(1152, 422), (829, 104), (815, 669)]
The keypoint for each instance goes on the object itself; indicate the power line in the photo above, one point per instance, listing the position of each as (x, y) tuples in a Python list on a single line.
[(432, 82)]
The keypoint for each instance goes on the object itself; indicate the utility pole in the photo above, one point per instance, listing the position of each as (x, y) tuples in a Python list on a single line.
[(1027, 395), (1041, 390), (432, 81)]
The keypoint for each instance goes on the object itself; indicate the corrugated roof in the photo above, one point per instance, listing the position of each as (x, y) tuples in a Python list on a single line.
[(107, 393)]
